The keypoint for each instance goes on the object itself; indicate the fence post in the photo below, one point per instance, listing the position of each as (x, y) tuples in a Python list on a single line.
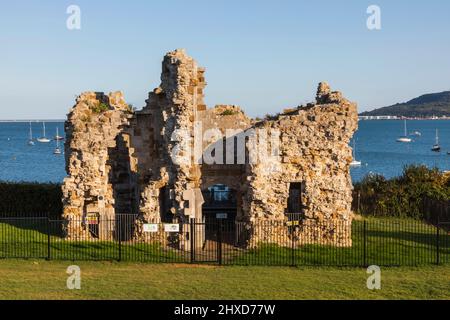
[(191, 238), (292, 227), (48, 239), (293, 251), (219, 239), (437, 242), (359, 202), (119, 232), (365, 244)]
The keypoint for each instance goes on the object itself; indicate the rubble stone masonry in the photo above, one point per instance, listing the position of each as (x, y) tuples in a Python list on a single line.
[(149, 163)]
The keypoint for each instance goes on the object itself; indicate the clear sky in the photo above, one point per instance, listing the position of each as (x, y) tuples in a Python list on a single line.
[(261, 55)]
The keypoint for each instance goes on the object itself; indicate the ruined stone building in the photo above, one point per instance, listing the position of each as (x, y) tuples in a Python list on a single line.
[(162, 163)]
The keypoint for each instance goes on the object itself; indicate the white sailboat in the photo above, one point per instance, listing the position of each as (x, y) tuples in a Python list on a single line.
[(355, 163), (58, 137), (58, 149), (436, 147), (30, 139), (405, 138), (43, 139)]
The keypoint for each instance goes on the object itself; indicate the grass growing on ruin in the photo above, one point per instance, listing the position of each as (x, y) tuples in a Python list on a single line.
[(25, 279)]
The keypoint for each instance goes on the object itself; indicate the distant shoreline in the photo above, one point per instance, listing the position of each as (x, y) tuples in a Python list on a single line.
[(360, 118), (27, 121), (363, 118)]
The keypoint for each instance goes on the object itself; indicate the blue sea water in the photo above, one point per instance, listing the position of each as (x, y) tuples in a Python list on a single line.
[(20, 162), (376, 147), (379, 152)]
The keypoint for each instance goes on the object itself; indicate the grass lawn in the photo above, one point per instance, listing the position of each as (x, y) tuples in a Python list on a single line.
[(37, 279), (389, 242)]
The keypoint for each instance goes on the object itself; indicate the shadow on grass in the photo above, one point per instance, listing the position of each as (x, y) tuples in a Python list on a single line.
[(26, 228)]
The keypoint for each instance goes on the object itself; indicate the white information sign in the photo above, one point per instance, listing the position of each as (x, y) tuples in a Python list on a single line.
[(172, 228), (150, 228), (222, 216)]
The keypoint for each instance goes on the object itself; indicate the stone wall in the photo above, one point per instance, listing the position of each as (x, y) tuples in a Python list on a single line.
[(93, 134), (148, 163), (314, 152)]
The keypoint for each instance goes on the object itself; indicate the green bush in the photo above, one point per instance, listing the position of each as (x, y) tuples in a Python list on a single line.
[(229, 113), (30, 200), (102, 107), (402, 196)]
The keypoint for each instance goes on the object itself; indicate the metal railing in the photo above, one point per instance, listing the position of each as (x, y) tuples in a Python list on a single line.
[(284, 243), (436, 211)]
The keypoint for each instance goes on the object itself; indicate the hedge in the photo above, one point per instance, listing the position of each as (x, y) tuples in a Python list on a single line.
[(402, 196), (23, 199)]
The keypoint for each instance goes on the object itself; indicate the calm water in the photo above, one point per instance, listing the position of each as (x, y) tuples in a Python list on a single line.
[(20, 162), (377, 149), (375, 143)]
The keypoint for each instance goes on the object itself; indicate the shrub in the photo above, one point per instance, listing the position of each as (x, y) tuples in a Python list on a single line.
[(229, 112), (102, 107), (30, 200), (402, 196)]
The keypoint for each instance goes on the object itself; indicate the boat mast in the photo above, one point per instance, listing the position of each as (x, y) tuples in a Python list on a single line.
[(43, 125), (405, 130), (437, 137)]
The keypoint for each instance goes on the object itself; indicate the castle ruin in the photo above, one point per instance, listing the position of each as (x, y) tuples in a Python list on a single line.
[(161, 164)]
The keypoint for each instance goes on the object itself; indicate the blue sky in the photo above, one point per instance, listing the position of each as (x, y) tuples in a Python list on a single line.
[(262, 55)]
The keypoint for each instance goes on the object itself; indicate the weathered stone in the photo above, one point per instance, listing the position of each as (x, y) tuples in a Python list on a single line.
[(120, 161)]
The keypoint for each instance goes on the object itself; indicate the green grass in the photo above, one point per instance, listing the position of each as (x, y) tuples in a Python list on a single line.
[(28, 239), (27, 279), (390, 242)]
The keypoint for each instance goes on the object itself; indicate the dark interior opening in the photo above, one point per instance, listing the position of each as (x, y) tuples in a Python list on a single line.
[(295, 205), (164, 213)]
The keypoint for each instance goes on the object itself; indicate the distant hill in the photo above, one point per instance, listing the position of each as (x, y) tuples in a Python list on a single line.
[(428, 105)]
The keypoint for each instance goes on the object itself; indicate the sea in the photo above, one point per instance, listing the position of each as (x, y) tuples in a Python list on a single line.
[(375, 143)]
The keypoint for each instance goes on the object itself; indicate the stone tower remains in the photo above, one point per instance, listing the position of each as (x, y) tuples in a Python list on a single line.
[(156, 164)]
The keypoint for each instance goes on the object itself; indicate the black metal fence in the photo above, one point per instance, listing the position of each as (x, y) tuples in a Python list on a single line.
[(383, 242), (436, 211)]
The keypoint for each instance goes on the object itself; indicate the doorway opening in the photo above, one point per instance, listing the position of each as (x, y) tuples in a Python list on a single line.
[(220, 211), (220, 204)]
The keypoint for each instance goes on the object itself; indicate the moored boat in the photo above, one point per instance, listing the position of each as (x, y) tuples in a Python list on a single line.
[(405, 138), (436, 147), (43, 139), (30, 138)]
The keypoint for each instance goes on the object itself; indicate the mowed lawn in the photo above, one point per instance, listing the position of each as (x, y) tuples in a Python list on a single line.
[(38, 279)]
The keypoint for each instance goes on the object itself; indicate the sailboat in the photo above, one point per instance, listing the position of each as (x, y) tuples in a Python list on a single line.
[(30, 139), (58, 137), (436, 147), (43, 139), (58, 149), (355, 163), (405, 138)]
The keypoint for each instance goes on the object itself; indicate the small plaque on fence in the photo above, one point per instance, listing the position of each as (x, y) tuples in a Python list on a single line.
[(172, 228), (150, 228), (92, 219), (292, 223), (222, 216)]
